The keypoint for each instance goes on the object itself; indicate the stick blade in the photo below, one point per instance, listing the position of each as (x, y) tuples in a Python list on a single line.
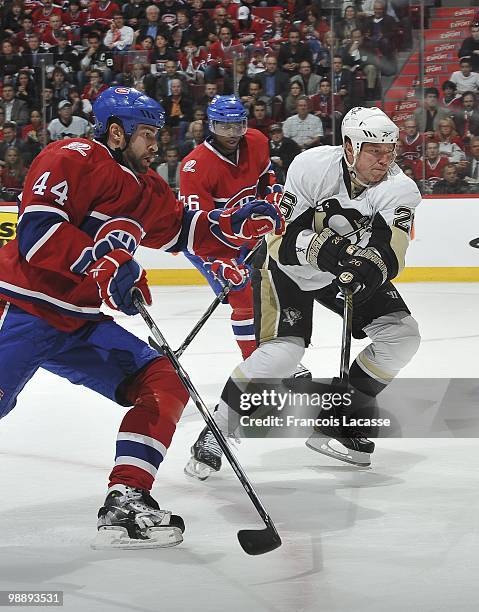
[(259, 541)]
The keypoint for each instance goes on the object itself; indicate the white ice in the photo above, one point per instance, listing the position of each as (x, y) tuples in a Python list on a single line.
[(401, 536)]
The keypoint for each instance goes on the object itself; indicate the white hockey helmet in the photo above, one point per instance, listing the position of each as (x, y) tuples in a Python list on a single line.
[(362, 125)]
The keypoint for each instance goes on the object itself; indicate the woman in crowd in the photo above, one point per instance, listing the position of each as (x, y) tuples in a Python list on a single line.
[(14, 171)]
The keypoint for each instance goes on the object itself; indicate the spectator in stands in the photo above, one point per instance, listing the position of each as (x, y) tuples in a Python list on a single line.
[(41, 16), (260, 121), (325, 54), (345, 27), (135, 14), (147, 45), (32, 55), (242, 79), (73, 18), (380, 30), (295, 92), (322, 106), (15, 110), (282, 151), (153, 25), (22, 37), (313, 29), (451, 100), (428, 172), (194, 136), (255, 94), (428, 118), (211, 90), (26, 89), (80, 107), (470, 48), (178, 107), (162, 52), (309, 81), (96, 56), (168, 9), (163, 83), (278, 31), (342, 81), (450, 183), (304, 128), (33, 129), (202, 28), (49, 103), (170, 170), (469, 168), (221, 58), (183, 25), (257, 62), (220, 19), (274, 82), (67, 125), (95, 87), (13, 18), (13, 170), (465, 79), (192, 61), (138, 75), (176, 39), (10, 139), (359, 55), (59, 84), (412, 143), (165, 140), (249, 28), (450, 145), (467, 118), (119, 37), (102, 13), (51, 33), (293, 52), (65, 56), (10, 62)]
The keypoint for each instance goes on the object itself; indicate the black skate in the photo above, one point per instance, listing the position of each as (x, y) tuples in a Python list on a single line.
[(205, 456), (131, 518), (340, 438)]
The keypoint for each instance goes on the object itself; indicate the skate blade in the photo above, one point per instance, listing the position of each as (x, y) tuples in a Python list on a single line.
[(198, 470), (323, 445), (109, 538)]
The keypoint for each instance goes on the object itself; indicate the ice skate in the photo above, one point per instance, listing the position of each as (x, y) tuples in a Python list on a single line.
[(205, 456), (131, 518)]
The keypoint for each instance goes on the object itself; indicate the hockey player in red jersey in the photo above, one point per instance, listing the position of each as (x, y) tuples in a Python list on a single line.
[(86, 207), (231, 168)]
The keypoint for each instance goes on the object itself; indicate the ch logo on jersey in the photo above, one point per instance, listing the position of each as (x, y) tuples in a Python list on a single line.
[(190, 166), (81, 147), (291, 316), (122, 90)]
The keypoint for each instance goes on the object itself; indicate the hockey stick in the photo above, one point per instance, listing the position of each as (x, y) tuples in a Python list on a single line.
[(346, 336), (252, 541), (210, 310)]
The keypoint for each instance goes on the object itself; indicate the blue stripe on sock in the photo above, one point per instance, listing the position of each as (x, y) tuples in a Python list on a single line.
[(127, 448)]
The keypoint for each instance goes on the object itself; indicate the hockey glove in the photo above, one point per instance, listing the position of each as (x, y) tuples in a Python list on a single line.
[(251, 221), (228, 271), (274, 194), (326, 250), (116, 233), (364, 272), (116, 274)]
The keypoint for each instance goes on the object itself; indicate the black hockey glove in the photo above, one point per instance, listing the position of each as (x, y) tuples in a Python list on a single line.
[(326, 251), (363, 272)]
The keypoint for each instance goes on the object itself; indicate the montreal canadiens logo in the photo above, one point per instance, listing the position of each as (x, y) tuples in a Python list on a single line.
[(122, 90)]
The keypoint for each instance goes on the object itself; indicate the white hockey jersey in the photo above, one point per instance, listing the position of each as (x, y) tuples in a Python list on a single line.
[(318, 194)]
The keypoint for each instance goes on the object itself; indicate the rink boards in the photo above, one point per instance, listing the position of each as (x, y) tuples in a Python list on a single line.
[(441, 251)]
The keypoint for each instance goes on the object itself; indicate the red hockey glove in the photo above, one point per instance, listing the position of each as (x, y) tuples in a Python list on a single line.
[(116, 274), (251, 221), (228, 271)]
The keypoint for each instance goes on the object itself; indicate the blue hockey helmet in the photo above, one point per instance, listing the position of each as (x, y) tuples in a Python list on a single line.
[(130, 106), (227, 110)]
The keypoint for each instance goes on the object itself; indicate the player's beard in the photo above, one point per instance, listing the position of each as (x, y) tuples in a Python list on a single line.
[(139, 164)]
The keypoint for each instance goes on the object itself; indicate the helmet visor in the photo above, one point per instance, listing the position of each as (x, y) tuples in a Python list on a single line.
[(222, 128)]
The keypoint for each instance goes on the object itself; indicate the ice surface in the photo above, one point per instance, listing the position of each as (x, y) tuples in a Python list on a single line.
[(401, 536)]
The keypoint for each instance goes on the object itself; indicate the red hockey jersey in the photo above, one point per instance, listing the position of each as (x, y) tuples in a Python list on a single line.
[(208, 180), (71, 189)]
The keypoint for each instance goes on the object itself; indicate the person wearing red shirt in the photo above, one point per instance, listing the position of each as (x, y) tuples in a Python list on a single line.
[(95, 87), (429, 171), (412, 142), (220, 56), (41, 16), (102, 12), (50, 34)]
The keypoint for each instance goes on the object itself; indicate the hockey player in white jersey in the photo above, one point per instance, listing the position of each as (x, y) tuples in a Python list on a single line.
[(348, 208)]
